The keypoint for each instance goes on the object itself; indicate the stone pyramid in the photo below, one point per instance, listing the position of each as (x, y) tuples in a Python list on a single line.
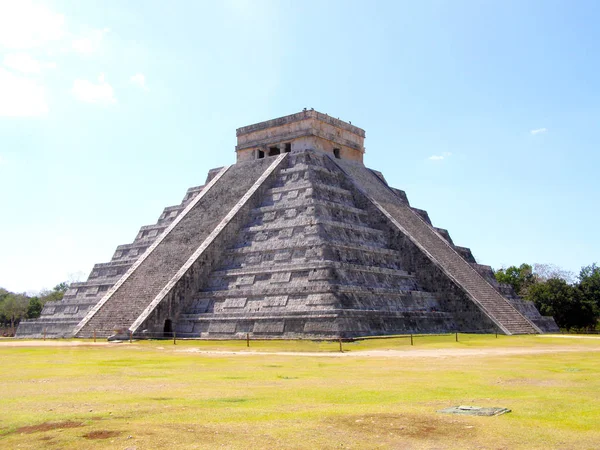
[(297, 239)]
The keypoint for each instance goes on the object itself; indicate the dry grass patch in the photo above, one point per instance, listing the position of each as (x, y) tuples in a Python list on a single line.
[(412, 426), (101, 434), (48, 426)]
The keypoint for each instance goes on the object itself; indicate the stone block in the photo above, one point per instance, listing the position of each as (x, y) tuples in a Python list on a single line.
[(244, 280), (235, 302), (271, 327), (222, 327), (277, 301), (280, 277)]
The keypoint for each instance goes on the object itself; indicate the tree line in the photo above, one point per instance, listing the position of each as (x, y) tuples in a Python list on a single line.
[(17, 306), (573, 301)]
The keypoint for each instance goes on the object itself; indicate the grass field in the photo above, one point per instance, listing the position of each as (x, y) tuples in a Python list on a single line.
[(377, 394)]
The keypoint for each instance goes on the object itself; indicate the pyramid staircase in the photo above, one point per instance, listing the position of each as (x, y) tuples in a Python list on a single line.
[(439, 251), (166, 262)]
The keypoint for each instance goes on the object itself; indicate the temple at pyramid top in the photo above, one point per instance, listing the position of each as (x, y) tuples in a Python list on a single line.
[(306, 130)]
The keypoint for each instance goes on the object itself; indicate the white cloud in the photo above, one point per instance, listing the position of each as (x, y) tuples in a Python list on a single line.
[(20, 96), (22, 62), (90, 92), (139, 79), (29, 29), (83, 45), (440, 157), (538, 131), (24, 24), (90, 43)]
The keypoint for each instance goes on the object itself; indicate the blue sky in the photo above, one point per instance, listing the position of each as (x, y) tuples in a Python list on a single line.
[(485, 112)]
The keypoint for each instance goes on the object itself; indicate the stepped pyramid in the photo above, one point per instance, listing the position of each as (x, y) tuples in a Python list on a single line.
[(297, 239)]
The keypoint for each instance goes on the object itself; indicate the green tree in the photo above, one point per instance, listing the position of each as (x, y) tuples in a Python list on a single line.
[(3, 294), (34, 309), (56, 294), (589, 283), (61, 287), (14, 307), (520, 278), (565, 302)]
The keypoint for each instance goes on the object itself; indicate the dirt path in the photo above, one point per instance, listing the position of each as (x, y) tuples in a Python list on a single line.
[(429, 353), (405, 353)]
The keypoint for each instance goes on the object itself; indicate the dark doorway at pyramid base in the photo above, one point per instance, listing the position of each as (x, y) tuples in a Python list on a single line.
[(168, 328)]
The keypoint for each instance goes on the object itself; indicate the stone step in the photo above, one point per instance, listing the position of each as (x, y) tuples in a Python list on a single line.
[(310, 314), (302, 196), (302, 168), (131, 251), (307, 274), (411, 299), (94, 282), (304, 221), (310, 242), (314, 232), (313, 173), (307, 203), (114, 264), (149, 233), (315, 323), (315, 287), (309, 213), (304, 185), (303, 249), (289, 267)]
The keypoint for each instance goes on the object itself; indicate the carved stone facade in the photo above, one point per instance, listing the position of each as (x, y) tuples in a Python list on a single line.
[(300, 241), (301, 131)]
